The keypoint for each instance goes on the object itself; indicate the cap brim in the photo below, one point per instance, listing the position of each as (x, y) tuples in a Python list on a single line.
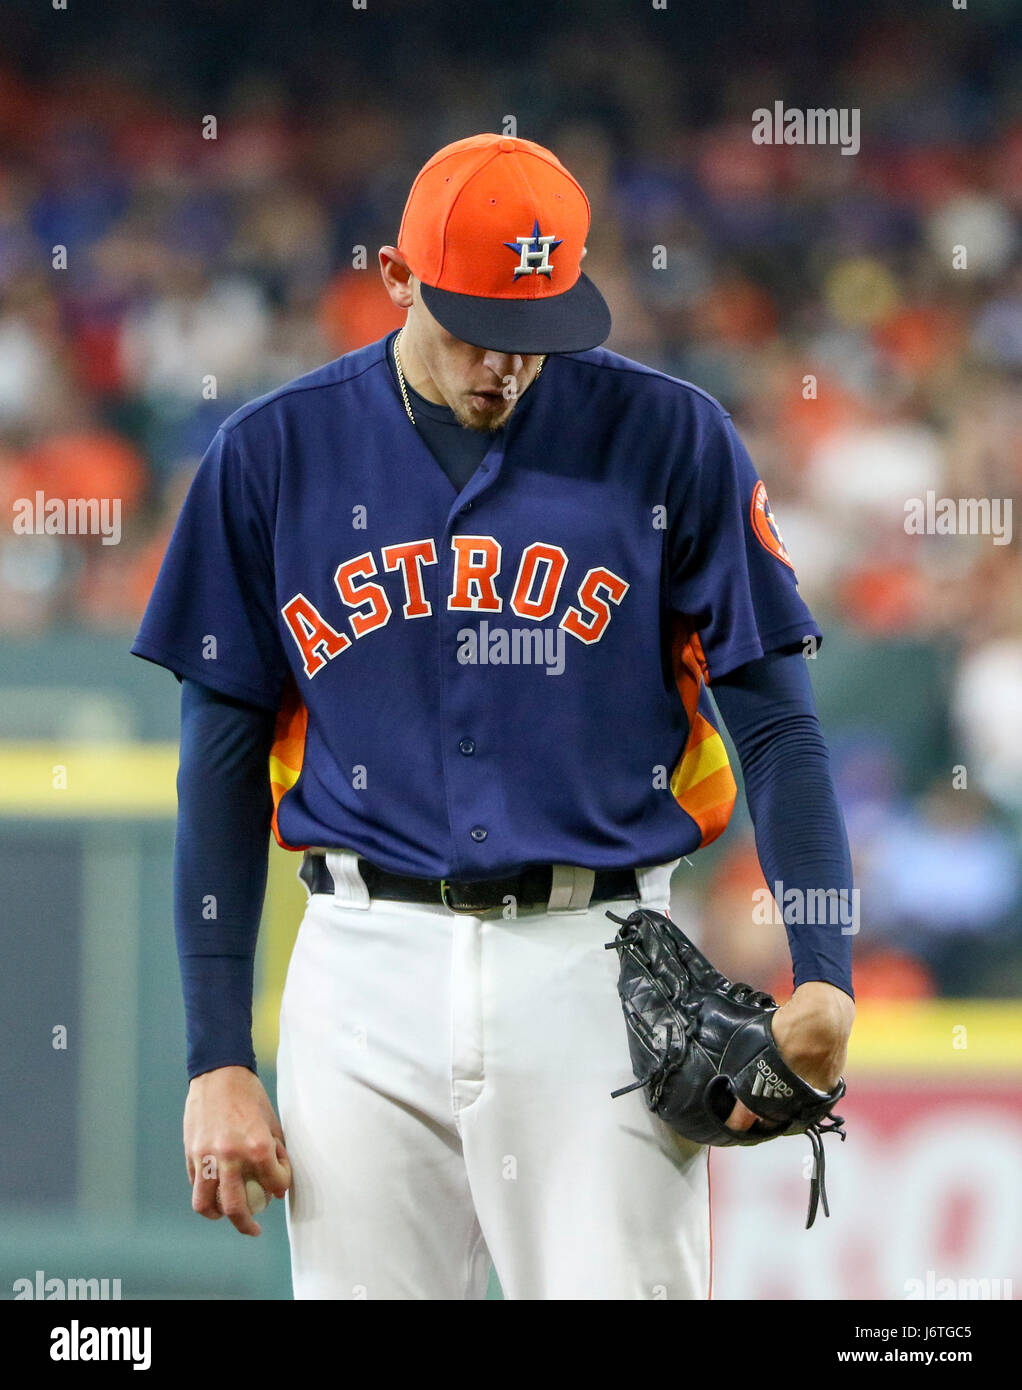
[(571, 322)]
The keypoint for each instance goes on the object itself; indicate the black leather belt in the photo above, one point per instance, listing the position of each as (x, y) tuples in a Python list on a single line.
[(530, 888)]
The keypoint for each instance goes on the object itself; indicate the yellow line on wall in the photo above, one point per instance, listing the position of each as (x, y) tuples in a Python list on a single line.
[(948, 1038), (54, 780), (945, 1038)]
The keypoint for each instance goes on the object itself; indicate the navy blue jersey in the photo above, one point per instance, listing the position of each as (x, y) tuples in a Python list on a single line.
[(470, 682)]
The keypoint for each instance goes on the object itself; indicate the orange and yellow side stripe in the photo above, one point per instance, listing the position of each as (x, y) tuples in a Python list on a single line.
[(288, 751), (702, 782)]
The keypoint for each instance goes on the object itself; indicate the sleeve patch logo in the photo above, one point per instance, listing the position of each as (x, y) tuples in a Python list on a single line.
[(765, 527)]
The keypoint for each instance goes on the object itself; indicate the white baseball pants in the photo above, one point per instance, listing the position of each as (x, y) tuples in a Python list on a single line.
[(444, 1089)]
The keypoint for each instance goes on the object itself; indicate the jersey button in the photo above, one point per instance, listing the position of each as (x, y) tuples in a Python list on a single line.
[(467, 746), (479, 833), (466, 508)]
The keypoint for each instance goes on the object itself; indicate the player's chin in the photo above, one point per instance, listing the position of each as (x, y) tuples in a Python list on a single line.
[(485, 413)]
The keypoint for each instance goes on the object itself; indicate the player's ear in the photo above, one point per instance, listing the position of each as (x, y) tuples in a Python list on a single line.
[(397, 276)]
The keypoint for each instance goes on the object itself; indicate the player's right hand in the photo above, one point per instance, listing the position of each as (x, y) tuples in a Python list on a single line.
[(231, 1134)]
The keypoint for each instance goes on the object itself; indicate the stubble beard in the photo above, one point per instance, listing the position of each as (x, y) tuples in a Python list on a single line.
[(486, 421)]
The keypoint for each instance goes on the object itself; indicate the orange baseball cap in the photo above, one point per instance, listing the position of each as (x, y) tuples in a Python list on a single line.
[(494, 230)]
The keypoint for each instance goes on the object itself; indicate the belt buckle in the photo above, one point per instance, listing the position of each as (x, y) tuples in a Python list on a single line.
[(445, 889)]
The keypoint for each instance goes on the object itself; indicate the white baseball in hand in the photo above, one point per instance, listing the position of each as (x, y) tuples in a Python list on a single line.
[(255, 1196)]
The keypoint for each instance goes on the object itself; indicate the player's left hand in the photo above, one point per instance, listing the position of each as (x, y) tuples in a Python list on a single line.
[(811, 1031)]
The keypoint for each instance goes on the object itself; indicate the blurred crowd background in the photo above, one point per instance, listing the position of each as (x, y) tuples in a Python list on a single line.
[(817, 295)]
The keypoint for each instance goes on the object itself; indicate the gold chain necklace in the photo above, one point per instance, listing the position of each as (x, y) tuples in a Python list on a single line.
[(401, 376)]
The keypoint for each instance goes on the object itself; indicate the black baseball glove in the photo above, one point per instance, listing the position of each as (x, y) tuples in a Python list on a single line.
[(699, 1043)]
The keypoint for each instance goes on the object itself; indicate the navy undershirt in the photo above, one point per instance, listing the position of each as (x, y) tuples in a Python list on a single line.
[(224, 810), (458, 451), (769, 711), (220, 862)]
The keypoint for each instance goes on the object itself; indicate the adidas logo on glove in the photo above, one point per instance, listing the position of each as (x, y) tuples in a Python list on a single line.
[(768, 1083)]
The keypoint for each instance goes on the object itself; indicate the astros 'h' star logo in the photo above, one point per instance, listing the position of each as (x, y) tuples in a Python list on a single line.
[(765, 527), (534, 252)]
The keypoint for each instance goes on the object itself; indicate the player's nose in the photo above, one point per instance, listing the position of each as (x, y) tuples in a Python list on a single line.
[(503, 364)]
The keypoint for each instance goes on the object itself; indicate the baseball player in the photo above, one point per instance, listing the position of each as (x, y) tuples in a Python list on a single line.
[(464, 593)]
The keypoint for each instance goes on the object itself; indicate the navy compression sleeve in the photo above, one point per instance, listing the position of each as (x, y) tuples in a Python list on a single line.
[(801, 841), (220, 860)]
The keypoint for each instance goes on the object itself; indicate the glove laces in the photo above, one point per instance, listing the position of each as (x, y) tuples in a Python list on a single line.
[(817, 1183)]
